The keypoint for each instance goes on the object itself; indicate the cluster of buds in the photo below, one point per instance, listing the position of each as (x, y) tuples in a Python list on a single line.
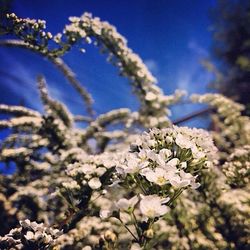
[(31, 31)]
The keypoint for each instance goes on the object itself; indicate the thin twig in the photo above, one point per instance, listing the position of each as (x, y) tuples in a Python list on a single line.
[(193, 115), (61, 66), (128, 230)]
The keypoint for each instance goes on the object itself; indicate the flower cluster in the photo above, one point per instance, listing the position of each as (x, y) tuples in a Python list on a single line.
[(30, 235), (90, 171), (234, 129), (237, 168), (161, 164), (169, 157), (227, 108)]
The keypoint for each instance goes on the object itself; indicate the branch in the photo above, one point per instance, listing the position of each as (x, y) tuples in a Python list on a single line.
[(193, 115), (61, 66)]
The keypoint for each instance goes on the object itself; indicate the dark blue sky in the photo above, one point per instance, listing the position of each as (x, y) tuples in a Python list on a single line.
[(170, 36)]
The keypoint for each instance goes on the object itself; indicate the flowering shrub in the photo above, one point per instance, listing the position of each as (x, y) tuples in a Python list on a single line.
[(148, 184)]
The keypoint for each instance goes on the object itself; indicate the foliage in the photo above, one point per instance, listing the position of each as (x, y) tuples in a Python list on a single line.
[(231, 49)]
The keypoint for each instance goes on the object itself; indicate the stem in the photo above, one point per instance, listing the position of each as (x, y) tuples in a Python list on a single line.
[(96, 198), (128, 230), (140, 184), (176, 194), (136, 224), (145, 244)]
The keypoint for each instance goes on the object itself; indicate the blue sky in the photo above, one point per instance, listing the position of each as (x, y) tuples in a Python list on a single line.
[(171, 36)]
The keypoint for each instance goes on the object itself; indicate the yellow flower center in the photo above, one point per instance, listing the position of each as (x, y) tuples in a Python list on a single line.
[(161, 180)]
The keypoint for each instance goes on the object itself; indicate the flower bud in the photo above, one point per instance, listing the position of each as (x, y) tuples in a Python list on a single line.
[(110, 236), (149, 233)]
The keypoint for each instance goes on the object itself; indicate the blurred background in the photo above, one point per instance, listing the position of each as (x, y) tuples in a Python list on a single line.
[(198, 46)]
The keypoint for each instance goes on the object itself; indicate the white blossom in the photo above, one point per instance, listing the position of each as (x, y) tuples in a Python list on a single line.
[(95, 183), (127, 204), (151, 206), (184, 141), (105, 213), (159, 176)]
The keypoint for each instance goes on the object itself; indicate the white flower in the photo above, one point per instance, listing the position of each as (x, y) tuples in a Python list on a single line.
[(153, 121), (125, 204), (37, 226), (105, 213), (165, 153), (100, 171), (190, 178), (152, 155), (150, 96), (143, 154), (185, 175), (47, 238), (183, 180), (40, 235), (151, 206), (197, 154), (94, 183), (184, 141), (25, 223), (173, 162), (170, 166), (29, 235), (151, 143), (209, 164), (135, 246), (88, 168), (194, 185), (71, 185), (160, 160), (87, 248), (178, 182), (108, 160), (133, 164), (158, 176)]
